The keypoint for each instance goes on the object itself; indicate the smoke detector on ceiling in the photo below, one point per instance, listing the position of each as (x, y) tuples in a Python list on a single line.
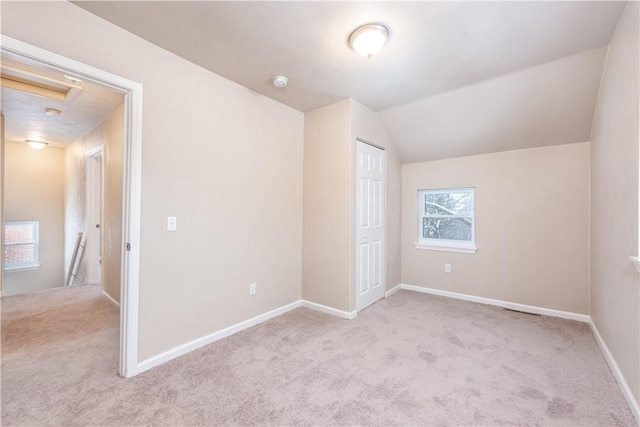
[(280, 81)]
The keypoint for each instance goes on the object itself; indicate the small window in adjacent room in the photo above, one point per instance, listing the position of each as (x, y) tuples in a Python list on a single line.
[(20, 245), (447, 220)]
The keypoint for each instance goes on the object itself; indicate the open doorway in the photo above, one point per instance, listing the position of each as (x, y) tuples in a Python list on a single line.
[(124, 278), (94, 241), (56, 128)]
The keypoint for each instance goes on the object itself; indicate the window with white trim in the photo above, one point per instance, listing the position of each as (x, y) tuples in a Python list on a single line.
[(446, 220), (20, 245)]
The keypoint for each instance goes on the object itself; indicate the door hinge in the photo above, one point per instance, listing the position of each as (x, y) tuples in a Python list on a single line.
[(128, 246)]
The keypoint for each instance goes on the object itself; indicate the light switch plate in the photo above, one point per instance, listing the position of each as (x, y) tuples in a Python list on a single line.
[(172, 223)]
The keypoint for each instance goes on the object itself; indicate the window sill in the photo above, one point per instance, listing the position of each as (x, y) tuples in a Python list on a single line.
[(18, 269), (636, 262), (469, 250)]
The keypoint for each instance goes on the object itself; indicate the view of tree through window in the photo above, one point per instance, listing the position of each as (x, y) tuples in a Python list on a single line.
[(447, 214)]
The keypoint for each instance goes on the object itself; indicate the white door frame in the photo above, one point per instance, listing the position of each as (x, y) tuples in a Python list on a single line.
[(132, 91), (1, 202), (94, 267)]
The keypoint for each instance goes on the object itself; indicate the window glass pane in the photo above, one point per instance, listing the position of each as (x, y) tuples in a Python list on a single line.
[(455, 203), (19, 254), (447, 228), (20, 247), (19, 233)]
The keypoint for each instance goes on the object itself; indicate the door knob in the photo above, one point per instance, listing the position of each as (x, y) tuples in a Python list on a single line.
[(365, 236)]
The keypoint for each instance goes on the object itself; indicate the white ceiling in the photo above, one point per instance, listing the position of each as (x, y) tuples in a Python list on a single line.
[(548, 104), (25, 116), (435, 47), (456, 78)]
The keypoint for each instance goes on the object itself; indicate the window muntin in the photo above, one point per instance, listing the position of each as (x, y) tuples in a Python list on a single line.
[(447, 218), (21, 245)]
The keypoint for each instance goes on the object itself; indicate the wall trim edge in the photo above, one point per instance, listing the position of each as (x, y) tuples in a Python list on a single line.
[(190, 346), (111, 300), (624, 386), (393, 290), (330, 310), (500, 303)]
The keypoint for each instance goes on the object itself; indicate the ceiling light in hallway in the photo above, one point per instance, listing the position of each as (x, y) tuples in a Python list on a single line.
[(52, 112), (37, 145)]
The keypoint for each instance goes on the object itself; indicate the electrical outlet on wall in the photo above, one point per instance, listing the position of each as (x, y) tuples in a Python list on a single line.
[(447, 268), (252, 289)]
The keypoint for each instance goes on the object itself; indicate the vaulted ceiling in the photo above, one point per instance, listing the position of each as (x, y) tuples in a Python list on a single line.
[(456, 78)]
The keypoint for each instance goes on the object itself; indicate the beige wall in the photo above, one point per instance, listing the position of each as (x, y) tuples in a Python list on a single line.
[(366, 124), (110, 134), (615, 296), (327, 201), (34, 191), (223, 159), (531, 227), (1, 199)]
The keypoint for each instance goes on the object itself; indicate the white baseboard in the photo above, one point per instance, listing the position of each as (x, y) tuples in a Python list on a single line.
[(624, 387), (393, 290), (330, 310), (200, 342), (506, 304), (111, 300), (183, 349)]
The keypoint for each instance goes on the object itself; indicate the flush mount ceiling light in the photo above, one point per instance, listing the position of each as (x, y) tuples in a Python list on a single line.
[(36, 145), (52, 112), (369, 39), (279, 81)]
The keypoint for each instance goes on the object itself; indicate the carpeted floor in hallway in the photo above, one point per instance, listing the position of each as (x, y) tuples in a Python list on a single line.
[(411, 359)]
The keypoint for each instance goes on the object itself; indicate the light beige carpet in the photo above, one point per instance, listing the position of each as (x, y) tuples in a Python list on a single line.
[(411, 359)]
